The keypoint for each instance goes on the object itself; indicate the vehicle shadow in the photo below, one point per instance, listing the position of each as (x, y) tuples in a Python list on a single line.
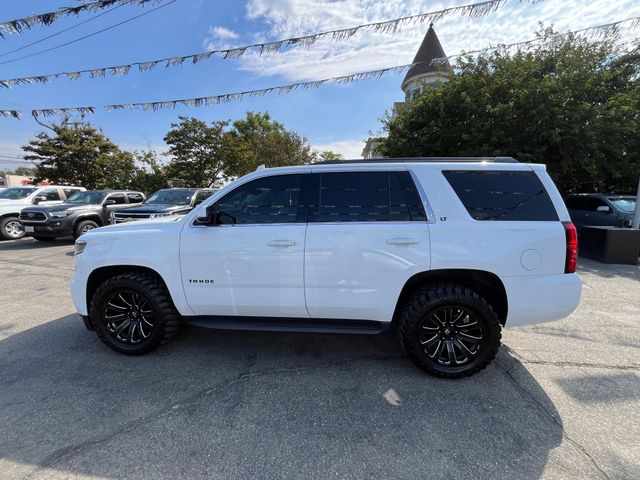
[(32, 244), (262, 405)]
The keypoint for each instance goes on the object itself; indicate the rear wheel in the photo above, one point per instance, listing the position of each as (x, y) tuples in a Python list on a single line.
[(449, 331), (11, 228), (84, 227), (133, 313)]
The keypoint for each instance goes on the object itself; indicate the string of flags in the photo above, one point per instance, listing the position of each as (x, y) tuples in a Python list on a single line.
[(473, 10), (18, 25), (601, 31)]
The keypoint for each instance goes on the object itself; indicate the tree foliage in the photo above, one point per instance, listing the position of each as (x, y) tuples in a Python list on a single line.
[(199, 153), (258, 140), (570, 104), (78, 154)]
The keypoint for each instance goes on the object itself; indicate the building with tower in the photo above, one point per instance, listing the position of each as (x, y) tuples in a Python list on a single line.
[(430, 67)]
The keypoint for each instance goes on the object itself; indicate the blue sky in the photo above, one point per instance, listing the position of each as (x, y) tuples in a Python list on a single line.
[(334, 117)]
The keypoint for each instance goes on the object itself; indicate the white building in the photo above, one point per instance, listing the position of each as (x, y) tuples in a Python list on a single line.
[(425, 73)]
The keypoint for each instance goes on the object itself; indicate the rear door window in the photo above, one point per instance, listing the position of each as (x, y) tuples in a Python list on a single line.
[(367, 197), (502, 195), (576, 203), (135, 197)]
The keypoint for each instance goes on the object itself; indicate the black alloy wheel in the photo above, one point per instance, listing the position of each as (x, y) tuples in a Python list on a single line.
[(451, 335), (448, 330), (133, 313), (128, 316)]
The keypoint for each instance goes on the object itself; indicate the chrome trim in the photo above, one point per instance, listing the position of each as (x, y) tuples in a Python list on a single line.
[(431, 217)]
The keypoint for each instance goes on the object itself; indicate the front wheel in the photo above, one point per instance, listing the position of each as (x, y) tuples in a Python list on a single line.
[(133, 313), (449, 330), (84, 227), (11, 228)]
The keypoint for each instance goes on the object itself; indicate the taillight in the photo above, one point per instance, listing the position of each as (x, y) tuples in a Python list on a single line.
[(571, 260)]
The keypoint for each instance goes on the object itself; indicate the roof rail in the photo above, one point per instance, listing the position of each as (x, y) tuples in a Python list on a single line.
[(422, 160)]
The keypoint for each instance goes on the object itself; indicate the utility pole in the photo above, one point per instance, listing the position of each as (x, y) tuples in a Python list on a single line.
[(636, 217)]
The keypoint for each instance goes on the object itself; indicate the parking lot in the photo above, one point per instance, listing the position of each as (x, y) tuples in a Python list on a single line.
[(561, 400)]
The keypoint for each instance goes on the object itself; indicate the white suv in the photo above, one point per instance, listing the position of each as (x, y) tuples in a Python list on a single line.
[(447, 250)]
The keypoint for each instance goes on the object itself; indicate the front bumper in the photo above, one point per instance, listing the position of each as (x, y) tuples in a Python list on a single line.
[(50, 228)]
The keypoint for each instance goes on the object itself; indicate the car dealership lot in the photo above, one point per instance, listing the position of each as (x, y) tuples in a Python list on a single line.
[(561, 401)]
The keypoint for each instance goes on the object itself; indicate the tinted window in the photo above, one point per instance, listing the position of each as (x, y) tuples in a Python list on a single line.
[(576, 203), (51, 194), (367, 197), (594, 203), (135, 197), (265, 200), (70, 191), (201, 196), (516, 196), (118, 198)]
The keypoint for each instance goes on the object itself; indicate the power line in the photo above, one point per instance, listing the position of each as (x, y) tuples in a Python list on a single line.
[(18, 25), (90, 34), (472, 10), (60, 32)]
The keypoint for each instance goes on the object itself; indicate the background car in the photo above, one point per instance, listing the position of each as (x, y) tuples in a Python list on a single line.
[(14, 199), (164, 203), (595, 209), (80, 213)]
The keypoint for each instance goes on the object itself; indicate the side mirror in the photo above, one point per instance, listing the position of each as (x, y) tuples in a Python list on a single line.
[(38, 199), (210, 215), (603, 209)]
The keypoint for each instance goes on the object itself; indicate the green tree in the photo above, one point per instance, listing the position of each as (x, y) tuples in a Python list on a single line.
[(150, 175), (198, 151), (570, 104), (78, 154), (258, 140), (328, 155), (22, 171)]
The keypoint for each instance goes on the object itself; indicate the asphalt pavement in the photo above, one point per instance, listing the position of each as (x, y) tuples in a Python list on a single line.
[(562, 400)]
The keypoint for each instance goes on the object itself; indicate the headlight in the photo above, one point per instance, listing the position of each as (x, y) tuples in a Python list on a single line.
[(80, 246), (64, 213)]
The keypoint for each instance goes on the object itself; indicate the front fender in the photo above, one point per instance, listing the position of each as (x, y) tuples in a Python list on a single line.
[(154, 247)]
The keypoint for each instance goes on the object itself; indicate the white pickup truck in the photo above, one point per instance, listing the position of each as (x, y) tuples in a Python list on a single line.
[(447, 251)]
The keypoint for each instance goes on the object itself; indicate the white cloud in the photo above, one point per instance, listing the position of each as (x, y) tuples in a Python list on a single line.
[(366, 50), (223, 33), (217, 38), (348, 148)]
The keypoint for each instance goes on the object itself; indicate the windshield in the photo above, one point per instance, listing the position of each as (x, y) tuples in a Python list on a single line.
[(86, 198), (16, 193), (173, 197), (627, 205)]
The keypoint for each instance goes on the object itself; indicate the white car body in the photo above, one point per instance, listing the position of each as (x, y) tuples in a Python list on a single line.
[(349, 270)]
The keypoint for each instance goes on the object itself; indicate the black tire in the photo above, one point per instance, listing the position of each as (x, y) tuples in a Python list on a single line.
[(83, 227), (11, 228), (164, 318), (449, 347), (43, 239)]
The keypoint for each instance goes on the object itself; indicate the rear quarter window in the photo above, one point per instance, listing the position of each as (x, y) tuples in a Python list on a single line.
[(502, 195)]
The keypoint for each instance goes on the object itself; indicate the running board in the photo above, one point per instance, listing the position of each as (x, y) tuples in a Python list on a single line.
[(298, 325)]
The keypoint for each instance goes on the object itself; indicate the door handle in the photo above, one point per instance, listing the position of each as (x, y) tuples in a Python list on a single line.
[(282, 243), (402, 241)]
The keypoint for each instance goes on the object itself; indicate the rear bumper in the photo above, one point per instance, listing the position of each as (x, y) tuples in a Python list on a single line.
[(543, 298)]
